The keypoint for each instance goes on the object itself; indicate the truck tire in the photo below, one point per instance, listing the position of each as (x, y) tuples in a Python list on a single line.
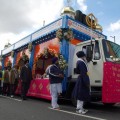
[(78, 15), (109, 104)]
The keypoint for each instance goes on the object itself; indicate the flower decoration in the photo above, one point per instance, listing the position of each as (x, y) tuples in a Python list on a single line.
[(43, 60), (30, 47), (66, 34), (12, 53), (62, 63), (59, 34), (47, 53)]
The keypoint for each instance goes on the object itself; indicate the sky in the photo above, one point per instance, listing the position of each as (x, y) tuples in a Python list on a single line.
[(19, 18)]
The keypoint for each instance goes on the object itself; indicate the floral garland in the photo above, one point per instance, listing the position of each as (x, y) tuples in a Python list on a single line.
[(45, 55), (38, 68), (64, 34), (30, 47), (59, 34), (12, 53), (62, 63)]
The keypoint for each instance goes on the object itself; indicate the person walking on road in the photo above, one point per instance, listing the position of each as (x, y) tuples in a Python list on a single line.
[(81, 91), (26, 77), (56, 76)]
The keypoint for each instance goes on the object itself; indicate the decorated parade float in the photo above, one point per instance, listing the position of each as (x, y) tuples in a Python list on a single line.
[(72, 32)]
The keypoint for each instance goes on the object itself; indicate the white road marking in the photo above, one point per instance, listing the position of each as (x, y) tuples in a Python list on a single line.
[(95, 118), (11, 98)]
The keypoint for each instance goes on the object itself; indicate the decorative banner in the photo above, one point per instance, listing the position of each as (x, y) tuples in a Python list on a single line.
[(84, 29), (39, 88), (111, 83)]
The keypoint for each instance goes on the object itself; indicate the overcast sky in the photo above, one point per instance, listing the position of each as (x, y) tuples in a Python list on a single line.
[(19, 18)]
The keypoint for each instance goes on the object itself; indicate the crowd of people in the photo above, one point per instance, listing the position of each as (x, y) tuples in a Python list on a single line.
[(9, 78)]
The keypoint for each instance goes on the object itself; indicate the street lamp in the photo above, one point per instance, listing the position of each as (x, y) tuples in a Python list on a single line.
[(113, 38)]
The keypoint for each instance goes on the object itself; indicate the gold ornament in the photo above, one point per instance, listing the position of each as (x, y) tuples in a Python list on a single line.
[(91, 21)]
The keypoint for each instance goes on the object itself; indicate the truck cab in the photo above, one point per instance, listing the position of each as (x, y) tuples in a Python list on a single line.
[(97, 53)]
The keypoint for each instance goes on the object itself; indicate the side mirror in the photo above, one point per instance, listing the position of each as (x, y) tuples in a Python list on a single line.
[(89, 53)]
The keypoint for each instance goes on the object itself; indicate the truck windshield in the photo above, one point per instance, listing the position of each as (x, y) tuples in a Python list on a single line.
[(111, 49)]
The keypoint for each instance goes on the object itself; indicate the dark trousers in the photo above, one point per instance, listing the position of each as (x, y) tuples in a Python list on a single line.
[(24, 89), (6, 88), (13, 87)]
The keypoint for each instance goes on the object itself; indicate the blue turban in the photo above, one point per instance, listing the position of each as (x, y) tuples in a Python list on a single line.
[(80, 54)]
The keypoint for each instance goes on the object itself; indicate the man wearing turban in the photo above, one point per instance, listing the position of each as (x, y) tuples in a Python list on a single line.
[(56, 77), (81, 90)]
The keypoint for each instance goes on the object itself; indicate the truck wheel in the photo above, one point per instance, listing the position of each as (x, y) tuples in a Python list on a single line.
[(109, 104), (74, 102)]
